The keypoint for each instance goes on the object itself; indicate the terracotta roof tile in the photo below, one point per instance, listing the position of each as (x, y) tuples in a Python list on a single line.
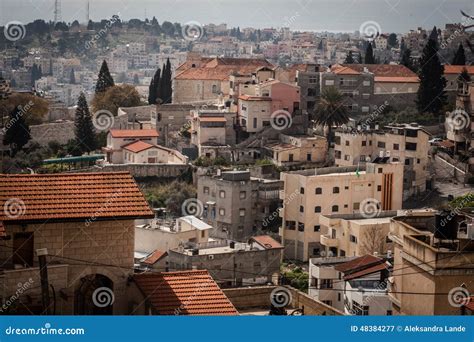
[(42, 197), (154, 257), (457, 69), (137, 146), (367, 271), (184, 293), (382, 70), (266, 241), (133, 133), (358, 264)]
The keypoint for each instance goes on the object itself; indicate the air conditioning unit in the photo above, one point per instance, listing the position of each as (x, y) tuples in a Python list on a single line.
[(387, 154)]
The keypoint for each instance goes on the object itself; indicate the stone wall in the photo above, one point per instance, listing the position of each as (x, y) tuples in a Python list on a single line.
[(260, 297)]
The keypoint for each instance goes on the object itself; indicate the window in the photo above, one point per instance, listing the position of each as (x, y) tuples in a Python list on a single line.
[(313, 80), (308, 156), (364, 143), (326, 284), (311, 92), (222, 211), (317, 209), (366, 83), (254, 122), (329, 82), (317, 228), (362, 158), (316, 251), (291, 225), (301, 190), (380, 170), (335, 190), (352, 238), (335, 208), (318, 191), (337, 154), (243, 195), (360, 310), (206, 190), (203, 234), (301, 209), (379, 188), (347, 143), (396, 147), (300, 227), (241, 212), (214, 88), (410, 146), (381, 144), (222, 194), (257, 264), (356, 206)]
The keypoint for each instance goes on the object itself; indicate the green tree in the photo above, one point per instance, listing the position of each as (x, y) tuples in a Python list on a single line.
[(349, 59), (105, 80), (84, 128), (124, 95), (369, 55), (153, 87), (392, 40), (431, 96), (331, 111), (17, 132), (406, 59), (459, 56)]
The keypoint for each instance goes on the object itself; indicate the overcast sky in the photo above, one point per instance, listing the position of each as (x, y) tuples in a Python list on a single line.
[(331, 15)]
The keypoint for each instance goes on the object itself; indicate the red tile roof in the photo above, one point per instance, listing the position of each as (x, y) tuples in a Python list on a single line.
[(383, 70), (154, 257), (59, 197), (254, 98), (266, 241), (184, 293), (457, 69), (367, 271), (133, 133), (357, 264), (138, 146), (212, 119)]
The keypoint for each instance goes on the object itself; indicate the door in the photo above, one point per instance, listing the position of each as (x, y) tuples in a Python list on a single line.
[(23, 249)]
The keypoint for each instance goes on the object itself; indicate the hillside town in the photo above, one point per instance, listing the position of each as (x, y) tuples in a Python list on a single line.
[(159, 168)]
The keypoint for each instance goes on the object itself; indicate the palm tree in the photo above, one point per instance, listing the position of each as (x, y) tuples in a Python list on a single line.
[(331, 111)]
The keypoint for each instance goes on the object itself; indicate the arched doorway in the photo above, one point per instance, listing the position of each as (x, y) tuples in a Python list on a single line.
[(94, 296)]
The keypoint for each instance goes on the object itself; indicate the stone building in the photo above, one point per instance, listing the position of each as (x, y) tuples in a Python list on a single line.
[(236, 204), (85, 224)]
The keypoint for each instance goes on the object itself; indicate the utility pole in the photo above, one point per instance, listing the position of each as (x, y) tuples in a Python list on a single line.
[(42, 253)]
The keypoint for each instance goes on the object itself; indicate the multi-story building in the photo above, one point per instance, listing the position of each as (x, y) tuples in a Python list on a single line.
[(310, 193), (356, 234), (355, 286), (308, 80), (404, 143), (232, 263), (433, 262), (297, 149), (236, 205), (118, 138)]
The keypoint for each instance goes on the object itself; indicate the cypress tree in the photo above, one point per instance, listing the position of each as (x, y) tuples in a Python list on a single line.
[(459, 56), (349, 59), (153, 88), (160, 97), (406, 59), (105, 80), (17, 132), (431, 96), (369, 55), (169, 82), (84, 128)]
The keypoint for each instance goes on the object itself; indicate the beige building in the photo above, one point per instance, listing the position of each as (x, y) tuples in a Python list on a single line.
[(254, 113), (310, 193), (297, 150), (407, 144), (84, 224), (140, 152), (117, 138), (433, 262), (164, 235), (355, 234)]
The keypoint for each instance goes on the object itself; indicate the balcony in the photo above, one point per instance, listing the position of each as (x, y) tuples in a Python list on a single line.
[(328, 241)]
